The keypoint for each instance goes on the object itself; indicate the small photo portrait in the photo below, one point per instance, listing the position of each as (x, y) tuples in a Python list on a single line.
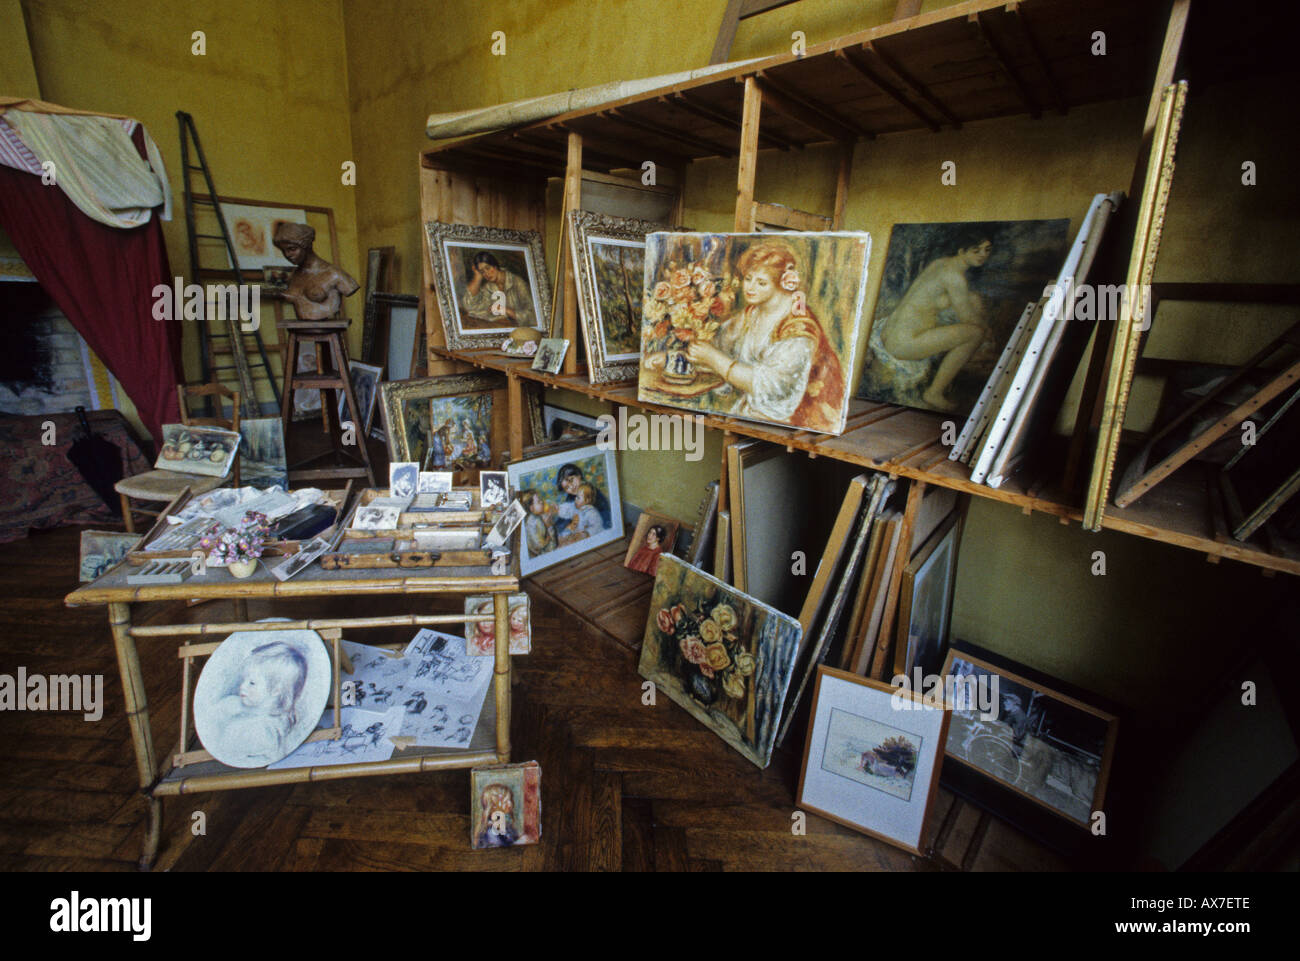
[(506, 805), (505, 525), (403, 478), (550, 354), (480, 637), (376, 519), (260, 695), (494, 488)]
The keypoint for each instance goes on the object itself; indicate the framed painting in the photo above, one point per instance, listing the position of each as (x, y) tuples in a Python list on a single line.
[(609, 264), (408, 410), (655, 534), (872, 758), (561, 424), (489, 281), (197, 450), (1036, 742), (550, 354), (723, 656), (950, 297), (571, 505), (505, 805), (758, 326), (365, 385), (262, 461), (925, 600)]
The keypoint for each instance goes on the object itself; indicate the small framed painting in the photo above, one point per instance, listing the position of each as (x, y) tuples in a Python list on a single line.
[(480, 637), (872, 758), (609, 264), (561, 424), (550, 354), (365, 387), (101, 551), (276, 278), (925, 600), (505, 805), (655, 534), (445, 423), (571, 505), (489, 281)]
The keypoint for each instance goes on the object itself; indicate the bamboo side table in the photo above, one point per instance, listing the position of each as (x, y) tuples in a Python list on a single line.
[(490, 743)]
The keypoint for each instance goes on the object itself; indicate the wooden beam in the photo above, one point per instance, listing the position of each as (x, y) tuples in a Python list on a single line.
[(709, 147), (623, 145), (905, 9), (726, 32), (1036, 48), (802, 110), (748, 166), (855, 60), (990, 43), (560, 150), (920, 89), (572, 201), (705, 112), (842, 186)]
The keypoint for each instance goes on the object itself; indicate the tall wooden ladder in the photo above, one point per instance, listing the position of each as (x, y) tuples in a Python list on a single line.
[(229, 342)]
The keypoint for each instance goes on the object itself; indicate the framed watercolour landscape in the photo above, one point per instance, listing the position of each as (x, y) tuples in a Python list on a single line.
[(869, 764), (758, 326)]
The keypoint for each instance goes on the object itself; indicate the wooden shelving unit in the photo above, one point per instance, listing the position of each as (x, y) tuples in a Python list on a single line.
[(978, 60)]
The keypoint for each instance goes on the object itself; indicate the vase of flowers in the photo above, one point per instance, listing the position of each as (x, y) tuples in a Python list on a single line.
[(687, 306), (239, 548)]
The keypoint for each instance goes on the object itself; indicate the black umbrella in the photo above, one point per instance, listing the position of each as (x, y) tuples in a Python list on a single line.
[(100, 463)]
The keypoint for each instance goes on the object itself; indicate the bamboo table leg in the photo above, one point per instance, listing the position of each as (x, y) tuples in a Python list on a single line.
[(501, 690), (137, 715)]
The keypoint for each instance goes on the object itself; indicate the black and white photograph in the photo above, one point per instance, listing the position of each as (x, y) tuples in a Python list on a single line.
[(435, 481), (403, 479), (376, 518), (494, 488)]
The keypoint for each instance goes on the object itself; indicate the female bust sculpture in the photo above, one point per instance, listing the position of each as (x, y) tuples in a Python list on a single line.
[(316, 287)]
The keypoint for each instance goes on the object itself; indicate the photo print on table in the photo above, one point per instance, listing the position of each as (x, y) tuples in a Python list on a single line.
[(494, 488), (403, 479)]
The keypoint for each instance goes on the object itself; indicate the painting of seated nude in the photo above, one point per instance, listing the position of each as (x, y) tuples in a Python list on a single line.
[(949, 299)]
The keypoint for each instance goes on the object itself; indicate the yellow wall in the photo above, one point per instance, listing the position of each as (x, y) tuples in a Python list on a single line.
[(269, 98), (17, 72)]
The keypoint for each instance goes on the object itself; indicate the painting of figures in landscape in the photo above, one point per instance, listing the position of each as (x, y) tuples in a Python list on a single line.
[(460, 432), (609, 263), (759, 326), (261, 453), (871, 753), (571, 505), (950, 297), (720, 654)]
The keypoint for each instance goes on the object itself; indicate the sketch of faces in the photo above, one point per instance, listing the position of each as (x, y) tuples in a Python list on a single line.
[(404, 478), (260, 695)]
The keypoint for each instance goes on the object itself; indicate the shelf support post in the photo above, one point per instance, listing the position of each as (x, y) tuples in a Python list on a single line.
[(572, 201), (748, 156)]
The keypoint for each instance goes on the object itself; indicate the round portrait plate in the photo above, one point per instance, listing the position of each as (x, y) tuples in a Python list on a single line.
[(260, 695)]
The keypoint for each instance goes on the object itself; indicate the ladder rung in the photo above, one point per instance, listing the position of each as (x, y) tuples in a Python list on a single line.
[(202, 200), (220, 237), (193, 167)]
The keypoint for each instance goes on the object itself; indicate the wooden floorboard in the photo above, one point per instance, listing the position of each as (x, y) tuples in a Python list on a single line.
[(625, 786)]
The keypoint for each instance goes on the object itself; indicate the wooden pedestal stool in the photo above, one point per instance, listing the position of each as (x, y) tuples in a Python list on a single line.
[(328, 337)]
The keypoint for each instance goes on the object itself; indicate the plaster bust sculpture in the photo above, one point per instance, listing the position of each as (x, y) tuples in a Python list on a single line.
[(316, 287)]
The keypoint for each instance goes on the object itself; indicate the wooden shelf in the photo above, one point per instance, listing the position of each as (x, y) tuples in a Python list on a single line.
[(906, 443), (971, 61)]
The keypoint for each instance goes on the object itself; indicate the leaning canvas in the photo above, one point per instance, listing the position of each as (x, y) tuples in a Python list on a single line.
[(949, 299), (758, 326), (723, 656), (505, 805), (197, 450)]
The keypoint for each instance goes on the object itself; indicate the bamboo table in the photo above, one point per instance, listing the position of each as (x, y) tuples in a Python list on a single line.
[(490, 743)]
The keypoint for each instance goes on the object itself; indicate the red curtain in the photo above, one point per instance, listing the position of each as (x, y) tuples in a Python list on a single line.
[(102, 278)]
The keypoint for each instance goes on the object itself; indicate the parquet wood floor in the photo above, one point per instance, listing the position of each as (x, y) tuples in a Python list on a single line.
[(625, 786)]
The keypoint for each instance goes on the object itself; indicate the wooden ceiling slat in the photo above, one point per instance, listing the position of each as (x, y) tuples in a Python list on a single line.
[(981, 31), (859, 64), (1017, 16), (912, 83), (705, 147), (799, 107), (685, 102)]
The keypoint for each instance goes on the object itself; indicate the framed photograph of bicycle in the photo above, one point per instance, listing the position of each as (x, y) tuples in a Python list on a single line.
[(1029, 738), (872, 758)]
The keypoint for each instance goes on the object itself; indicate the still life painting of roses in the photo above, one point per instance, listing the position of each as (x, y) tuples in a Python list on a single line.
[(721, 655)]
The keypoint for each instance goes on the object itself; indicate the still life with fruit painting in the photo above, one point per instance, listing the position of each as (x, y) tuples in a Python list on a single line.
[(197, 450), (723, 656)]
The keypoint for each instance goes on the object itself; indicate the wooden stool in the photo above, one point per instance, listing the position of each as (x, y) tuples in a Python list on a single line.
[(328, 333)]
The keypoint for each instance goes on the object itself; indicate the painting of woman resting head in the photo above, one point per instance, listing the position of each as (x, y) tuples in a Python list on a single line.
[(949, 301)]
